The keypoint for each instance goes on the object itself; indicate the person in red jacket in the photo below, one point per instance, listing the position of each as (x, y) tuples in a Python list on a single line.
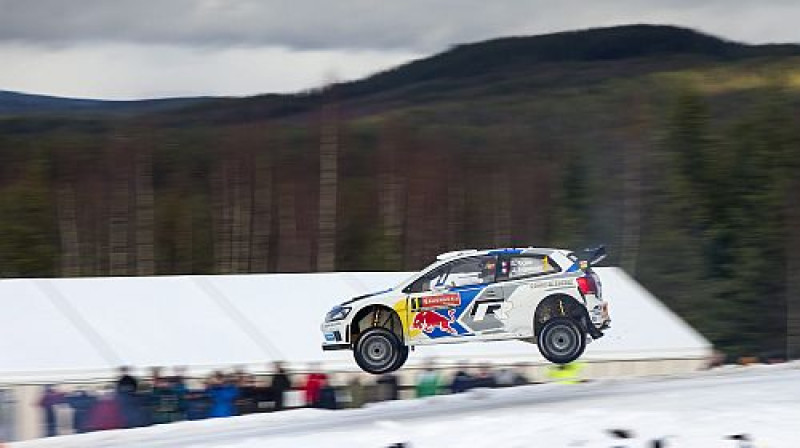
[(314, 383)]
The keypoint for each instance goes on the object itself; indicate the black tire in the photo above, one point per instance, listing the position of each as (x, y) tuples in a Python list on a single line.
[(378, 351), (402, 358), (562, 340)]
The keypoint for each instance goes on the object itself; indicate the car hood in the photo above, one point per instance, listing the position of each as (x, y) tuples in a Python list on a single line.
[(372, 294)]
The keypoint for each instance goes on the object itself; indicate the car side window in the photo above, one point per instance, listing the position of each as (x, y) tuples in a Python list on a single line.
[(521, 266), (464, 272), (472, 271)]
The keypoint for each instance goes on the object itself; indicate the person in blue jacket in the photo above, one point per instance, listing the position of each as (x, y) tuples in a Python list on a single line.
[(222, 392)]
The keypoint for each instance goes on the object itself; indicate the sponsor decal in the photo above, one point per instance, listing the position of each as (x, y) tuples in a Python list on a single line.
[(553, 283), (330, 326), (441, 301), (505, 308), (484, 307), (428, 321)]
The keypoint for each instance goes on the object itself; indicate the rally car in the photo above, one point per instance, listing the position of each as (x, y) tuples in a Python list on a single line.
[(549, 297)]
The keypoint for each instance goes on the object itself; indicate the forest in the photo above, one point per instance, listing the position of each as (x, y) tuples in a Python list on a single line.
[(677, 150)]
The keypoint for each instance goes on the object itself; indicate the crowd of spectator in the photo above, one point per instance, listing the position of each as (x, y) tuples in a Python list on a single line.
[(133, 402)]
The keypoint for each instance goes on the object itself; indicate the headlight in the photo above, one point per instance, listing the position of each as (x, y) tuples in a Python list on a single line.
[(337, 313)]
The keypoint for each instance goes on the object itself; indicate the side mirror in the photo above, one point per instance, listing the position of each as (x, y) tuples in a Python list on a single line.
[(439, 288)]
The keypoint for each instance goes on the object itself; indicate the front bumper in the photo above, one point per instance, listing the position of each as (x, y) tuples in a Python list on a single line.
[(335, 335), (330, 347)]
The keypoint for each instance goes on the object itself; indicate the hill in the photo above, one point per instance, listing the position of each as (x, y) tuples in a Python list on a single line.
[(516, 64), (676, 149), (17, 103)]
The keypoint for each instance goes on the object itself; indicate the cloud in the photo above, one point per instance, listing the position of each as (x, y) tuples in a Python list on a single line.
[(408, 25), (134, 71), (155, 48)]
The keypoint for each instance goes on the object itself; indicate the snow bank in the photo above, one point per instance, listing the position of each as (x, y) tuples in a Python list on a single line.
[(698, 410)]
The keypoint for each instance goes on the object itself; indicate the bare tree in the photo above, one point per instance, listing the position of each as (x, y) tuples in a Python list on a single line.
[(145, 212), (287, 227), (261, 212), (501, 192), (391, 200), (633, 147), (792, 270), (241, 203), (68, 230), (222, 212), (328, 185), (119, 242)]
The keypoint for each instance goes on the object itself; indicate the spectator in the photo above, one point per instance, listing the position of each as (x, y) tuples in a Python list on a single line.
[(48, 403), (129, 401), (262, 396), (462, 382), (484, 378), (105, 414), (197, 404), (565, 373), (387, 387), (428, 382), (281, 383), (506, 377), (314, 383), (327, 396), (178, 383), (81, 403), (356, 391), (164, 402), (519, 376), (222, 392), (126, 382), (247, 400)]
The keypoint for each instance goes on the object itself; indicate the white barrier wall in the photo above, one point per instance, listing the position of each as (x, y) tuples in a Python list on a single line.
[(57, 329)]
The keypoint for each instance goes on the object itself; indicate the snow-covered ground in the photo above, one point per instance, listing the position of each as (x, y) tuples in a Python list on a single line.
[(698, 410)]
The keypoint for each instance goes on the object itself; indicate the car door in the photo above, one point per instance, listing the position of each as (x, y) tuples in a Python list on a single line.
[(441, 303), (524, 280)]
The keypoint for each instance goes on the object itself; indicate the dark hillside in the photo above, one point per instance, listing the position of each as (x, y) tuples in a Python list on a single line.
[(16, 103), (531, 62)]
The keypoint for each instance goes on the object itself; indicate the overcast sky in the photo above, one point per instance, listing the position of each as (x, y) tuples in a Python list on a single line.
[(126, 49)]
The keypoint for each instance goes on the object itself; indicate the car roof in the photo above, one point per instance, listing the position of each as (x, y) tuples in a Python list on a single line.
[(500, 251)]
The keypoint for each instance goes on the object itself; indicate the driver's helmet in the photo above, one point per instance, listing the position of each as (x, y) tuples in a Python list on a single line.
[(488, 268)]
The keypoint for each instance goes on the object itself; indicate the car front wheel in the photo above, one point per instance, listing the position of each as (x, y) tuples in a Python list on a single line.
[(561, 340), (379, 351)]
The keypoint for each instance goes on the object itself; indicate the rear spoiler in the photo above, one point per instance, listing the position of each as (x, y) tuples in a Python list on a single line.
[(592, 256)]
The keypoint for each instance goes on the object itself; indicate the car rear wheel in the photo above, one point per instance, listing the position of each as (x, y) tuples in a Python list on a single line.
[(561, 340), (378, 351)]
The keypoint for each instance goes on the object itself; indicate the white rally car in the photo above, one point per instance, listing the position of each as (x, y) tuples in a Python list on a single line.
[(545, 296)]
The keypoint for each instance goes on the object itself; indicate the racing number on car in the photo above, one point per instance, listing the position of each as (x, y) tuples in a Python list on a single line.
[(433, 315)]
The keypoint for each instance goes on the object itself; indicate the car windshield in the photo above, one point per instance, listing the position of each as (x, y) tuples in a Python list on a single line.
[(414, 276)]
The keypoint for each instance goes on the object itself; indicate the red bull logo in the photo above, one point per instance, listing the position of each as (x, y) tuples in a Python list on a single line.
[(427, 321)]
